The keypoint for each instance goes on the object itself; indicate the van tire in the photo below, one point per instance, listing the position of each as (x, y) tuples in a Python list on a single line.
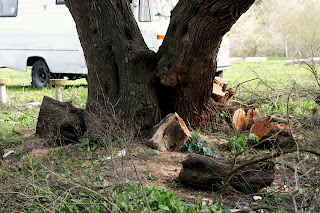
[(219, 74), (40, 74)]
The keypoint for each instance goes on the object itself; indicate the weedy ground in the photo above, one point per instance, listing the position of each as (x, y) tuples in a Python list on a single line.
[(82, 177)]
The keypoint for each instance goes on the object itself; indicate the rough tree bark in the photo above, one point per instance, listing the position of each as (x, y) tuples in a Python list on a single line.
[(144, 85), (211, 173), (60, 123)]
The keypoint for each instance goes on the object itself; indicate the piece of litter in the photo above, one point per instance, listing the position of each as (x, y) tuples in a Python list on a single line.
[(33, 105), (26, 85), (12, 123), (244, 205), (257, 198), (120, 154), (206, 202), (235, 210), (8, 153)]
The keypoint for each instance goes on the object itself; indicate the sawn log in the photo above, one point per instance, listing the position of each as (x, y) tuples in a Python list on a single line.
[(212, 173), (60, 122)]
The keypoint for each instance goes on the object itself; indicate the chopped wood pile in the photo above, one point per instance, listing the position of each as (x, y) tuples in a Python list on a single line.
[(247, 119), (220, 93)]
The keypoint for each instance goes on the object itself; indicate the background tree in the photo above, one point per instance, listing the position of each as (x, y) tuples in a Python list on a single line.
[(144, 85), (278, 28)]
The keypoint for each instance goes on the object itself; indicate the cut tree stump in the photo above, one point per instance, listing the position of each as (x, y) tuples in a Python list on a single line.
[(211, 173), (170, 134), (60, 122)]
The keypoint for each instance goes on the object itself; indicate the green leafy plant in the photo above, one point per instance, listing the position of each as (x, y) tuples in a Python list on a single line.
[(240, 144), (152, 177), (196, 146)]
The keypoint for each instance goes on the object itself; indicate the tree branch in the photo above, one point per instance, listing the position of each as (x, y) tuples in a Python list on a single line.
[(254, 161)]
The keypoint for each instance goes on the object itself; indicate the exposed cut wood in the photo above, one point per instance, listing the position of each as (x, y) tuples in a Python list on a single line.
[(210, 173), (219, 91), (239, 119), (252, 114), (221, 82), (262, 128), (229, 93), (60, 123), (170, 134)]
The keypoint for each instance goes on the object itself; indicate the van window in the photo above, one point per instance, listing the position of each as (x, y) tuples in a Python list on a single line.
[(8, 8), (60, 2), (155, 10), (144, 10)]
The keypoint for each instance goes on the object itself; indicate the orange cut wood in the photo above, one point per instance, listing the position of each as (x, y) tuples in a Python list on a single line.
[(239, 119), (217, 94), (220, 81), (262, 128), (217, 90), (252, 114)]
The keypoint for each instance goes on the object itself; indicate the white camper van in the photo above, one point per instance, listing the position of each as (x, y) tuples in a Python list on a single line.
[(42, 34)]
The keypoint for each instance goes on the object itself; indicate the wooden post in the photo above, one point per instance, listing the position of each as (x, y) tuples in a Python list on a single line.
[(3, 94), (58, 87)]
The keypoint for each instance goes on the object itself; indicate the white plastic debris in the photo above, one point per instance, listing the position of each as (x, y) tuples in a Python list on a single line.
[(12, 123), (235, 210), (120, 154), (33, 105), (8, 153), (206, 202), (241, 207), (256, 198)]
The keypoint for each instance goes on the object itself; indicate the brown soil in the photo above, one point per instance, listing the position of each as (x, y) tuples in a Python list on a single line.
[(160, 170)]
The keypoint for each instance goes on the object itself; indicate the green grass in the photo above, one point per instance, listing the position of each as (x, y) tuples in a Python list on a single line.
[(274, 86), (274, 72), (83, 184), (17, 117), (79, 179)]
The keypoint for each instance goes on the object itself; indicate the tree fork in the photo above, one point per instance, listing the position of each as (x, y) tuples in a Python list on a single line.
[(188, 55), (145, 86)]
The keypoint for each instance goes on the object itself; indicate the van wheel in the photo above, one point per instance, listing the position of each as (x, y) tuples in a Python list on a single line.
[(219, 74), (40, 74)]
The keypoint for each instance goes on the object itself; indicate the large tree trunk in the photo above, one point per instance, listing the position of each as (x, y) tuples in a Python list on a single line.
[(145, 86)]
